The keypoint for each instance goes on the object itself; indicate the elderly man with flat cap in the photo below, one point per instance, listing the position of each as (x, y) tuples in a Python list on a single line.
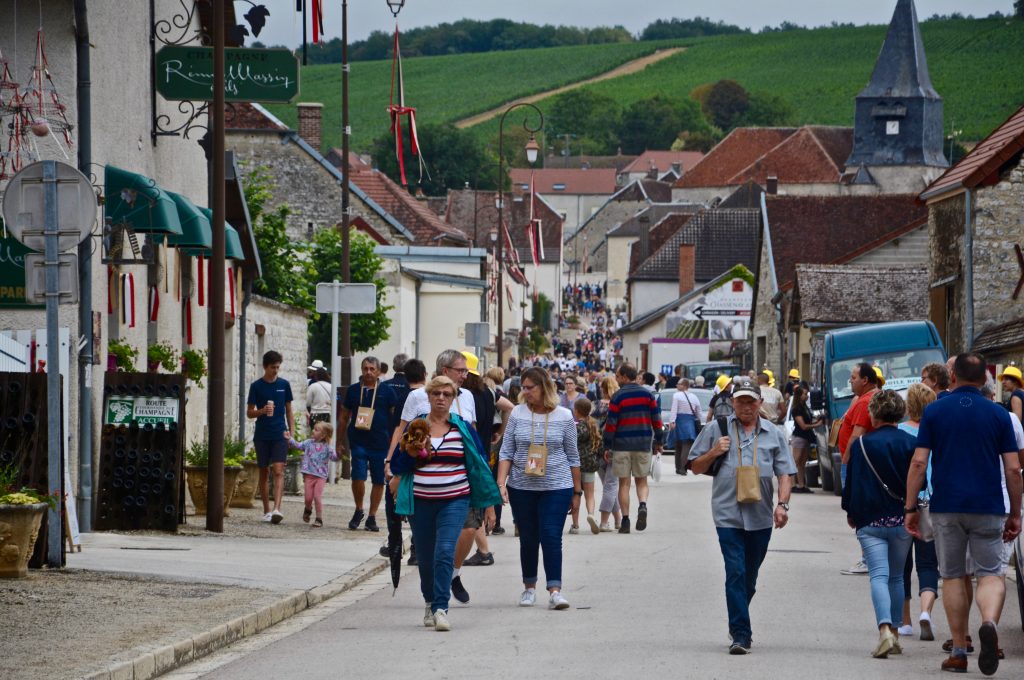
[(747, 452)]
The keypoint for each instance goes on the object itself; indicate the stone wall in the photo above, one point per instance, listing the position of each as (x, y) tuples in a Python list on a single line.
[(272, 325)]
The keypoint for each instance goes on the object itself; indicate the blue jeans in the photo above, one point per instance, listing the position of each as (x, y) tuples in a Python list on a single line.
[(435, 529), (927, 568), (842, 474), (540, 516), (885, 552), (743, 552)]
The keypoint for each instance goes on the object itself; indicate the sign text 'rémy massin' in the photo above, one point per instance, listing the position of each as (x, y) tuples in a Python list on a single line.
[(251, 75)]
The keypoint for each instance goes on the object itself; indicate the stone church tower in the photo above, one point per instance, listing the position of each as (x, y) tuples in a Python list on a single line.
[(898, 125)]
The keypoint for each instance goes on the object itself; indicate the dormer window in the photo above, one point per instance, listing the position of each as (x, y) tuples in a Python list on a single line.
[(892, 127)]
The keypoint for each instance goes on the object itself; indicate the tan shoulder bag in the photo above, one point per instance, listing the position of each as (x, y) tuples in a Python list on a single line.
[(748, 477)]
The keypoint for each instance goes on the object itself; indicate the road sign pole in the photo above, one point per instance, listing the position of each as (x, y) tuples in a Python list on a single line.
[(335, 364), (54, 479)]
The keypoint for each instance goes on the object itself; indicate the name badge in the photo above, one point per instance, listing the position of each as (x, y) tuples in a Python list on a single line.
[(536, 460), (364, 418)]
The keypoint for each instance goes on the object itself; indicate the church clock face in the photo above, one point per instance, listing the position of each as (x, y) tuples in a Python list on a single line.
[(892, 127)]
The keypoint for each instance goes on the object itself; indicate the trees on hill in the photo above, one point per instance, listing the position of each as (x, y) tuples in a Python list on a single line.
[(665, 29)]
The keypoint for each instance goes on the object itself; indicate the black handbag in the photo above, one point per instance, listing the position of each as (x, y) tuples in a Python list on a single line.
[(716, 464)]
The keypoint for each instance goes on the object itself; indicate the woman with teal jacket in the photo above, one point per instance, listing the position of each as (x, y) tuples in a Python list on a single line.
[(436, 490)]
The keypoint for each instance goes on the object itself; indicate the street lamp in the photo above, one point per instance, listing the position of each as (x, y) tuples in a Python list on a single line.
[(531, 155), (395, 6)]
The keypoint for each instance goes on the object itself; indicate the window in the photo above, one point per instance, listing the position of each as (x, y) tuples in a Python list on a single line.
[(892, 127), (558, 187), (309, 231)]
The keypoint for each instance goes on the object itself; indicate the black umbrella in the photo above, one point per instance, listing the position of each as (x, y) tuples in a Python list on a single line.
[(394, 539)]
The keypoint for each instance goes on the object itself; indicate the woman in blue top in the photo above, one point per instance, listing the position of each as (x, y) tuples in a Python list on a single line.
[(876, 479), (539, 474), (1013, 382), (437, 493)]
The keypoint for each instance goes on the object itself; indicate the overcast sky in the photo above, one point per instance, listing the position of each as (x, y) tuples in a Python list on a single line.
[(284, 26)]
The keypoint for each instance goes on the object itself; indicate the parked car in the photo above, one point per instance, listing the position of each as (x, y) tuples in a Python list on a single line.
[(711, 370), (665, 400)]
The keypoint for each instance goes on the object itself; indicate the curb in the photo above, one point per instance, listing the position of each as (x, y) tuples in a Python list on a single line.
[(168, 657)]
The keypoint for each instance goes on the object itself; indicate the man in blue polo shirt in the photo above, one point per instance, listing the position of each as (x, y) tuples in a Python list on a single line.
[(967, 436), (270, 403)]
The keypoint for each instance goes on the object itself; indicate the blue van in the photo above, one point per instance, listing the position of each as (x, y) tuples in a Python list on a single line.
[(901, 349)]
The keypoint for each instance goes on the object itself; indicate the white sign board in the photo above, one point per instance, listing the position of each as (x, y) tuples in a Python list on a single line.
[(35, 278), (478, 334), (346, 298)]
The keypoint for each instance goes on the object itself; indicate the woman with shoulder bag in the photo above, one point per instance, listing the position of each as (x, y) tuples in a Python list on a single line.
[(539, 475), (876, 479), (684, 421)]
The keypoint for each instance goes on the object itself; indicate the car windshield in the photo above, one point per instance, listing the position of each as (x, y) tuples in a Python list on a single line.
[(900, 369)]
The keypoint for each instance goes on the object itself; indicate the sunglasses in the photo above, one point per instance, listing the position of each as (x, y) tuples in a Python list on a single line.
[(445, 395)]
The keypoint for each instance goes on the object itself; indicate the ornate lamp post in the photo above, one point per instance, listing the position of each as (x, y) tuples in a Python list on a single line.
[(532, 149)]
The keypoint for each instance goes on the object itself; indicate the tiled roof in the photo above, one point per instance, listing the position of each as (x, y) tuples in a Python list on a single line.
[(653, 213), (747, 196), (427, 227), (1000, 337), (832, 229), (977, 167), (837, 293), (812, 154), (663, 160), (645, 189), (740, 148), (618, 161), (595, 181), (659, 233), (723, 238), (355, 162), (246, 116), (464, 207)]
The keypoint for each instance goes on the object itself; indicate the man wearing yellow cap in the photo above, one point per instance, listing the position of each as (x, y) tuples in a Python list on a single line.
[(1013, 383)]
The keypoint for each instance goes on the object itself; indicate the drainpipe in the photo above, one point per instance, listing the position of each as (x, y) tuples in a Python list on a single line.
[(419, 349), (85, 357), (242, 341), (968, 270)]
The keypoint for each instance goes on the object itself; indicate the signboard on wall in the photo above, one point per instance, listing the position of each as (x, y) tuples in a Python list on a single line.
[(12, 272), (251, 75), (122, 410), (720, 315)]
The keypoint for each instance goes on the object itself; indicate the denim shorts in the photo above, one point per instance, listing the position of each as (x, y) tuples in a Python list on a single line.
[(954, 532), (270, 451), (367, 463)]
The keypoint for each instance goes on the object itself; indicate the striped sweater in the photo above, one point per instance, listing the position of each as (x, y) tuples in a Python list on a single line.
[(634, 420)]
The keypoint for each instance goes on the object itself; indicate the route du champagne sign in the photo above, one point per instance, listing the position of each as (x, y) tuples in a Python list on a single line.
[(141, 410), (252, 75)]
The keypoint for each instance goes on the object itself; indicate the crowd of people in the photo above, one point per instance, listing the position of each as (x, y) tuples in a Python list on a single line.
[(931, 481)]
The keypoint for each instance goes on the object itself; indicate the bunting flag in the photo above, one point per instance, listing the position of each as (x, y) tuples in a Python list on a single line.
[(318, 21), (188, 320), (202, 284), (154, 302), (231, 289), (397, 111), (130, 285), (508, 294), (110, 290)]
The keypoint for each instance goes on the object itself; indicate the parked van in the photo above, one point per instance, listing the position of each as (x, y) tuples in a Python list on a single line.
[(901, 349)]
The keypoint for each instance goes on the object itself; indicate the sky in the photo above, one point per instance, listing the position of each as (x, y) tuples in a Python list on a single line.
[(284, 26)]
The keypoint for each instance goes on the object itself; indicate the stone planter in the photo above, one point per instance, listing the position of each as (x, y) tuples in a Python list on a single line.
[(196, 477), (248, 480), (292, 479), (19, 527)]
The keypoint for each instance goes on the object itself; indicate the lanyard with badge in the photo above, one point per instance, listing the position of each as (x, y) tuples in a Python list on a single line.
[(537, 454), (748, 477), (364, 414)]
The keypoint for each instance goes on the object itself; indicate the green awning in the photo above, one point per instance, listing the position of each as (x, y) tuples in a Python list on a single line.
[(137, 200), (232, 241), (196, 230)]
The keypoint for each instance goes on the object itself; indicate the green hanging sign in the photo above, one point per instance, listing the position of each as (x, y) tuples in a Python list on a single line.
[(251, 75), (12, 271)]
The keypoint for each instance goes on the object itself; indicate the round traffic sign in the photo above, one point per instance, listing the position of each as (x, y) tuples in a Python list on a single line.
[(24, 207)]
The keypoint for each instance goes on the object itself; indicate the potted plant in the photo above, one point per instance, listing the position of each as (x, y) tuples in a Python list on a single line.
[(197, 462), (193, 365), (21, 514), (248, 479), (121, 355), (161, 355)]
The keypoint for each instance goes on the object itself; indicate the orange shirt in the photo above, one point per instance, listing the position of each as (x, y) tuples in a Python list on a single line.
[(856, 415)]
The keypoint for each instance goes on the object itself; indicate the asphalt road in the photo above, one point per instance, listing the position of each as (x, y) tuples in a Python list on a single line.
[(647, 604)]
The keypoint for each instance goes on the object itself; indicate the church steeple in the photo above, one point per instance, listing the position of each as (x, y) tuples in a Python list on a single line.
[(899, 114)]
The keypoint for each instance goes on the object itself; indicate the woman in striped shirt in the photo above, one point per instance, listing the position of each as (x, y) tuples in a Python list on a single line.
[(540, 463), (437, 496)]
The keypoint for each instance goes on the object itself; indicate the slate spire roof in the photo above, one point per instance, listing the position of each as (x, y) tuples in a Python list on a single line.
[(901, 69)]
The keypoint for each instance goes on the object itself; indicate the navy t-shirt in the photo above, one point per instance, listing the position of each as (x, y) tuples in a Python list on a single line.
[(378, 438), (270, 428), (967, 435)]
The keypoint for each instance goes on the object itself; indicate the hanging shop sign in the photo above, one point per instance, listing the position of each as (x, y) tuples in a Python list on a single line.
[(252, 75), (122, 410)]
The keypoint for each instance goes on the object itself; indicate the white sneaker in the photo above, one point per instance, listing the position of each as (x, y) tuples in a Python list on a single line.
[(905, 630), (428, 617), (594, 528), (858, 568), (276, 517), (528, 598), (606, 528), (441, 623), (269, 517), (557, 601), (574, 530)]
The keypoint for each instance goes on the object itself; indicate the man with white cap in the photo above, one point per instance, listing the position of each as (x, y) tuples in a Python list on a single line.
[(311, 371)]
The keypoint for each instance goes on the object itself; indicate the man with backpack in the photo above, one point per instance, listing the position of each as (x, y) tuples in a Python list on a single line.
[(721, 403)]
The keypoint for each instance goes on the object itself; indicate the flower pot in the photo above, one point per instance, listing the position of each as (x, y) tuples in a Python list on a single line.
[(292, 479), (197, 480), (19, 527), (153, 366), (248, 480)]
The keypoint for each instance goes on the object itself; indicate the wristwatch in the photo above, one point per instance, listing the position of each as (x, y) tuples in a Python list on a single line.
[(577, 493), (907, 511), (784, 506)]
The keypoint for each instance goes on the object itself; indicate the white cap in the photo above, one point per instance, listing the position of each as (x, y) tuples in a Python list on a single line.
[(315, 365)]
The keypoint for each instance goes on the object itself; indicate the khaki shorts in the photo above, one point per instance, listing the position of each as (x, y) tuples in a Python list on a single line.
[(955, 532), (631, 463), (475, 518)]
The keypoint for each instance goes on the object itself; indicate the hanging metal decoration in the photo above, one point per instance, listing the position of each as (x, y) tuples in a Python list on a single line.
[(42, 102), (397, 111)]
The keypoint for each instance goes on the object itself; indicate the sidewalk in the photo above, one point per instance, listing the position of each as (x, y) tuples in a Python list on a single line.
[(136, 604)]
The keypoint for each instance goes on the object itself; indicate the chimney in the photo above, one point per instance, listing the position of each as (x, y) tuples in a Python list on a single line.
[(677, 167), (773, 185), (687, 268), (652, 171), (309, 123), (645, 236)]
